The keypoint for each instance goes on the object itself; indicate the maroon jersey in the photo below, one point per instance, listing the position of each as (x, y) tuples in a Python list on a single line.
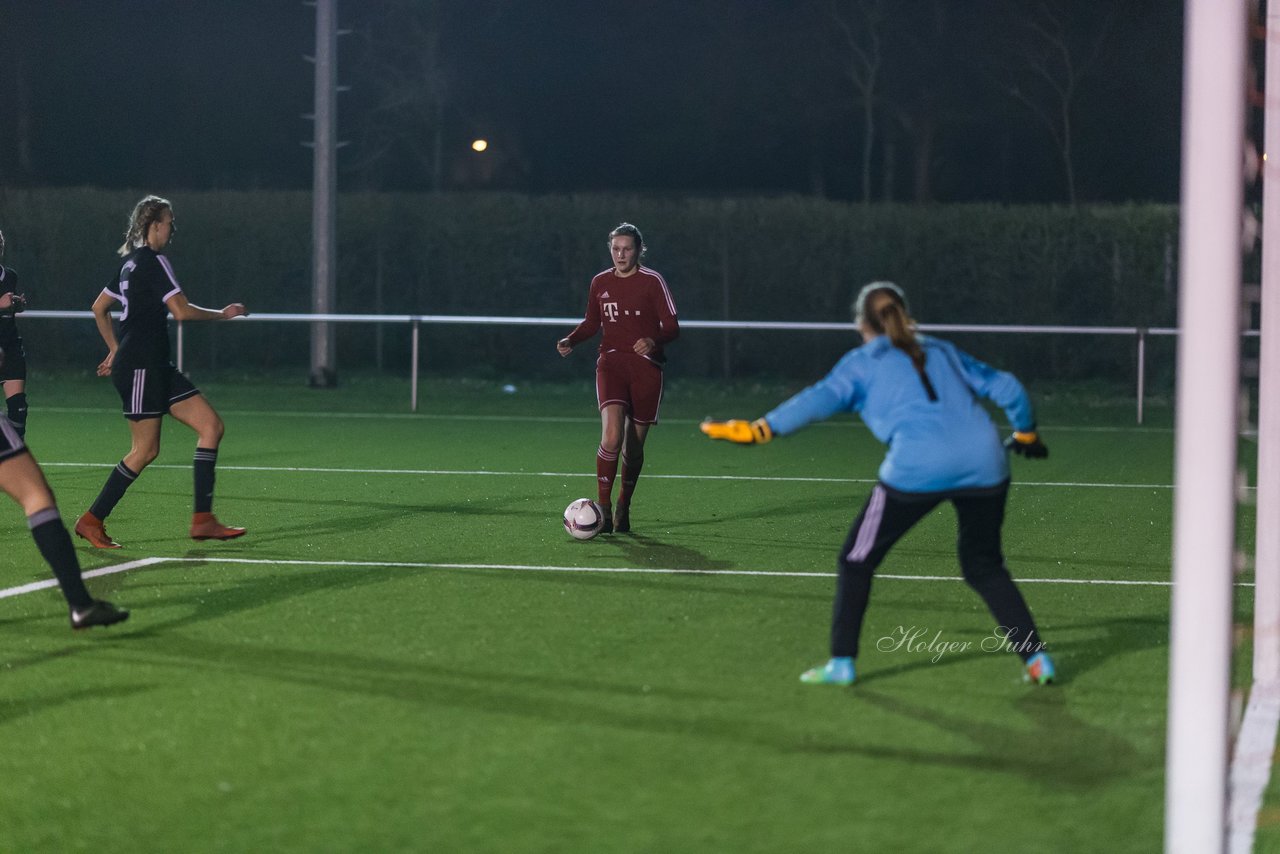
[(629, 308)]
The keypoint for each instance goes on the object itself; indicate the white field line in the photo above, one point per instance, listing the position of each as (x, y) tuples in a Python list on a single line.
[(578, 474), (1251, 765), (92, 573), (517, 567)]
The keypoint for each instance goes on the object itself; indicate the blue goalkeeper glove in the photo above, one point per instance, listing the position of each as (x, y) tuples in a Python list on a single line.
[(1027, 443), (743, 432)]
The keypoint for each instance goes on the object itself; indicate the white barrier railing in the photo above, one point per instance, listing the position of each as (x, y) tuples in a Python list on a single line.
[(415, 322)]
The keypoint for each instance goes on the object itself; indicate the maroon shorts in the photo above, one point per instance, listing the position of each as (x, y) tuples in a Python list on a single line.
[(631, 381)]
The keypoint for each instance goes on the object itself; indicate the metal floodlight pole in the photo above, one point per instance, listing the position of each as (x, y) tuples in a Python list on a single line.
[(323, 198), (1207, 403)]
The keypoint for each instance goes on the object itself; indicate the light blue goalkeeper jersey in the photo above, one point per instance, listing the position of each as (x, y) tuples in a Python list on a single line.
[(934, 446)]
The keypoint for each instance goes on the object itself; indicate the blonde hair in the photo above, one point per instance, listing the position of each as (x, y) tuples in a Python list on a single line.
[(145, 213), (882, 306), (888, 316)]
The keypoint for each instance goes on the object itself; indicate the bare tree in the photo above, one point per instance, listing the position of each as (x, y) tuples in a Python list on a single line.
[(931, 85), (795, 95), (16, 102), (1051, 52), (918, 92), (409, 90), (859, 23)]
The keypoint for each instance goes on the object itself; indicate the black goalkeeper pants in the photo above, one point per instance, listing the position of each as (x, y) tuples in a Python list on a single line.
[(887, 515)]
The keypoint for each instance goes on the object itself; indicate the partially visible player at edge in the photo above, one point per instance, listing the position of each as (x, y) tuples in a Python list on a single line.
[(24, 482), (149, 385), (922, 397), (13, 372), (633, 306)]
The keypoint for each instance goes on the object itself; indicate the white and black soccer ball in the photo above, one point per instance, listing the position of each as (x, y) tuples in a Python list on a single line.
[(583, 519)]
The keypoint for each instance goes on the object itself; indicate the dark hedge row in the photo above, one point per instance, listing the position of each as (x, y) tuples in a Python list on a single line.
[(493, 254)]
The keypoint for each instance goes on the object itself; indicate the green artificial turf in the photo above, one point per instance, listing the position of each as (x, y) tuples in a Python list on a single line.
[(406, 654)]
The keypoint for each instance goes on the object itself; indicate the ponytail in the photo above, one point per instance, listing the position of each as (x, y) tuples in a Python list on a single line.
[(145, 212), (885, 311), (895, 323)]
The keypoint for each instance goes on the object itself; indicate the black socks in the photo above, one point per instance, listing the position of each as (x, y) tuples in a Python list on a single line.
[(122, 477), (55, 546)]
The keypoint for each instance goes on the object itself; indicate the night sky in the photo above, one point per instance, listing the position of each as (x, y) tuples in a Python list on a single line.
[(661, 96)]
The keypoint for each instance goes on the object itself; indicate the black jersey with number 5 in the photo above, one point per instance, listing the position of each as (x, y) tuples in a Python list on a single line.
[(143, 284)]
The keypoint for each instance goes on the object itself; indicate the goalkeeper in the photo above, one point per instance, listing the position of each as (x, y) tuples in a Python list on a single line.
[(921, 396)]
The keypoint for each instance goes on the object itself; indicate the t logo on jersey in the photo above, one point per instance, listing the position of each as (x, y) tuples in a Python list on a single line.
[(610, 310)]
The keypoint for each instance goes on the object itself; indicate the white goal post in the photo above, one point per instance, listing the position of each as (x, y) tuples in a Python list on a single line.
[(1208, 389)]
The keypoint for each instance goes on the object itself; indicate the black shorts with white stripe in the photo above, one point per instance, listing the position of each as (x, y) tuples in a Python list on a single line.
[(11, 443), (149, 392)]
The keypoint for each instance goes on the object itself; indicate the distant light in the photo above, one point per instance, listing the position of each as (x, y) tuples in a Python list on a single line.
[(480, 145)]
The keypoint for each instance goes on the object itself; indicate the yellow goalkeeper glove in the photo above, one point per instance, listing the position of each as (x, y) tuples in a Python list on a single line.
[(743, 432), (1027, 443)]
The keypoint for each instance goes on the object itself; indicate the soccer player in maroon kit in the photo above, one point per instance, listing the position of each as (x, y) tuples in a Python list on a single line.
[(633, 307)]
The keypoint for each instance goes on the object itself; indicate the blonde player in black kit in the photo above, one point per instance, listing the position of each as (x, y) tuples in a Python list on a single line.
[(149, 385)]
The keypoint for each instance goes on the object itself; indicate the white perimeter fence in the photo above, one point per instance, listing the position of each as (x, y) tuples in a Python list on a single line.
[(416, 321)]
